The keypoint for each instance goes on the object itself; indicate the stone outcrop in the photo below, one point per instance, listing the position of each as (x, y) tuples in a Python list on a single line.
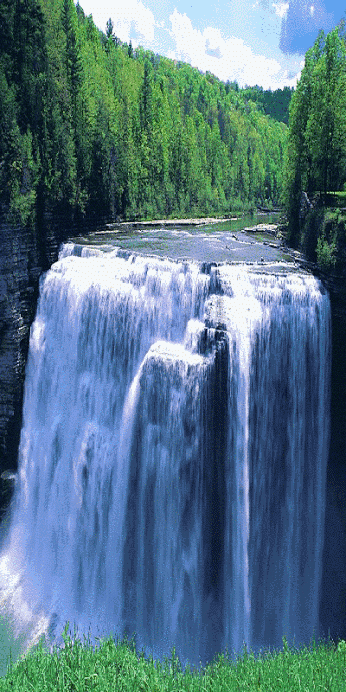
[(305, 206), (19, 272)]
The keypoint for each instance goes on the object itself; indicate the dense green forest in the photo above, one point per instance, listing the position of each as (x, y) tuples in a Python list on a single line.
[(91, 127), (274, 103), (316, 161)]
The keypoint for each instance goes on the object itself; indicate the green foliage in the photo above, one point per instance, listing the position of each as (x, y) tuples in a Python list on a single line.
[(316, 151), (274, 103), (23, 178), (114, 665), (323, 237), (90, 126), (326, 253)]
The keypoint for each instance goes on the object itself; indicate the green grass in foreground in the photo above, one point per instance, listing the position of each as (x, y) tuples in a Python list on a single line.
[(116, 666)]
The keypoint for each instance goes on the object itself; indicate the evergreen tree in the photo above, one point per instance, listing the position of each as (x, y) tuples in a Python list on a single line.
[(109, 28), (89, 126), (316, 159)]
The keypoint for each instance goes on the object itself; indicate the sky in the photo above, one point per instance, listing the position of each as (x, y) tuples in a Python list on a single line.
[(251, 41)]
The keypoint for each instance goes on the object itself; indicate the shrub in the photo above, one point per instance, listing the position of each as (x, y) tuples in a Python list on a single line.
[(326, 253)]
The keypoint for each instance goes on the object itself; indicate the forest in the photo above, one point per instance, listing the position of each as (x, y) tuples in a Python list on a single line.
[(92, 128), (316, 153)]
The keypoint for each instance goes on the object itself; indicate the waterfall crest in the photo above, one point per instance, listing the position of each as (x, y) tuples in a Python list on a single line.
[(173, 454)]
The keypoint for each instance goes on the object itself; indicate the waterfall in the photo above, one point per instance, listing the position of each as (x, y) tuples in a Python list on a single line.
[(173, 454)]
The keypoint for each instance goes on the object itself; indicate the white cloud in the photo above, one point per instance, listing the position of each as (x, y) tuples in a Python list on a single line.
[(281, 8), (228, 58), (128, 17), (236, 60), (133, 14)]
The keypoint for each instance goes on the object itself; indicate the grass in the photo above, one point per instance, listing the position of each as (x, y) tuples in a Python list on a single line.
[(79, 667)]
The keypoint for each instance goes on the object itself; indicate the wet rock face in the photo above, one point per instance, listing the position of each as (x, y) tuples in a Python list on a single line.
[(19, 272)]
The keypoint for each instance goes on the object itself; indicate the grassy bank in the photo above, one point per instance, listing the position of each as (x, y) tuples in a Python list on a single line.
[(79, 667)]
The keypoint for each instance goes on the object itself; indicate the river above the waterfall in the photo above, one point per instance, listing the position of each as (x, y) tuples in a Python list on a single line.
[(249, 238)]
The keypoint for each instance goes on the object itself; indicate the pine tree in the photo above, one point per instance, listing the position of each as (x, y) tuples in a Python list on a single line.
[(109, 28)]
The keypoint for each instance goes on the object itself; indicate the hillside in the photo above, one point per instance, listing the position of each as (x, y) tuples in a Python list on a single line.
[(93, 128)]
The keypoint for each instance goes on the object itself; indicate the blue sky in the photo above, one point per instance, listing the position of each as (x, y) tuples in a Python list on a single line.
[(252, 41)]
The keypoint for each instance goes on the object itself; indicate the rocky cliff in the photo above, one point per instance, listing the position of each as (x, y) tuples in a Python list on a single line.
[(20, 268)]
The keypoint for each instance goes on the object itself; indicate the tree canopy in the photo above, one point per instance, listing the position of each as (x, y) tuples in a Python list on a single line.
[(91, 126), (316, 161)]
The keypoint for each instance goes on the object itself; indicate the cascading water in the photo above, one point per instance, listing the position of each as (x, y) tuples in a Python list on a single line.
[(173, 454)]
